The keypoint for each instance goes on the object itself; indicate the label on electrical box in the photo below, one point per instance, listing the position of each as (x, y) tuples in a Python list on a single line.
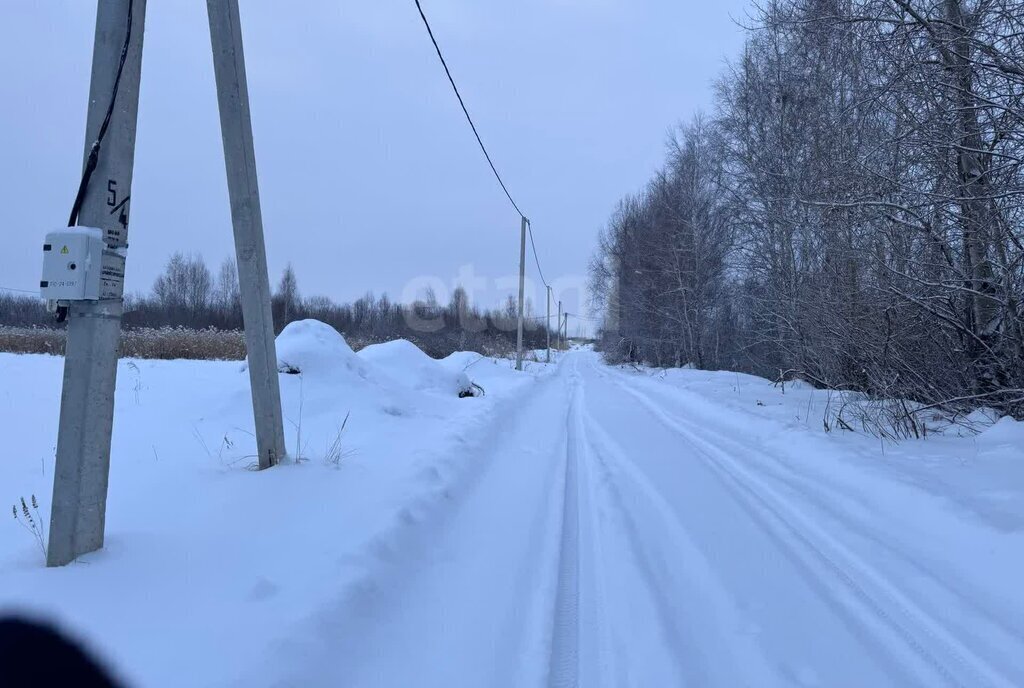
[(113, 236), (112, 276)]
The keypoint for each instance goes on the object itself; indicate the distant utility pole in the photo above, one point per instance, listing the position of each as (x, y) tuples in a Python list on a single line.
[(82, 470), (247, 220), (548, 328), (558, 324), (522, 291)]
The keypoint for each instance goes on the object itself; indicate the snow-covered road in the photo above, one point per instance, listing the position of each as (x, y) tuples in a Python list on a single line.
[(580, 525), (616, 535)]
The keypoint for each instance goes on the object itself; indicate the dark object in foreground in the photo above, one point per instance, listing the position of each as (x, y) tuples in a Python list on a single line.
[(32, 654), (474, 391)]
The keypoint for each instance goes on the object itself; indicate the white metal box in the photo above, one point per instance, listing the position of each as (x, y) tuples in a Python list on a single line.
[(72, 265)]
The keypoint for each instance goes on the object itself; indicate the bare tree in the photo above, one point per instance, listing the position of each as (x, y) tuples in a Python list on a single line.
[(185, 286), (227, 295), (851, 213), (287, 297)]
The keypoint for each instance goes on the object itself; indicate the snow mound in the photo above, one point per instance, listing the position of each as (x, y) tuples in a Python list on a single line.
[(311, 347), (983, 417), (409, 366), (1005, 431), (461, 360)]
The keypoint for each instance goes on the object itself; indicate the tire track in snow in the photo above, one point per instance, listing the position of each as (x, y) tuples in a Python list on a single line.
[(636, 632), (871, 602), (834, 503), (343, 640), (564, 664), (660, 567), (600, 650)]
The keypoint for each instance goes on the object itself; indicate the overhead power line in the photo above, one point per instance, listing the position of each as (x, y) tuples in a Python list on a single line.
[(469, 119), (20, 291), (536, 258), (527, 225)]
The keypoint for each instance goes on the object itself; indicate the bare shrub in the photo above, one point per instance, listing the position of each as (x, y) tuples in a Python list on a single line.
[(336, 451), (33, 524), (181, 342), (31, 340), (162, 343)]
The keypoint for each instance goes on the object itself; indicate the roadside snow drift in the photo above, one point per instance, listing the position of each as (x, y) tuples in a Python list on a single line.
[(408, 366), (315, 348)]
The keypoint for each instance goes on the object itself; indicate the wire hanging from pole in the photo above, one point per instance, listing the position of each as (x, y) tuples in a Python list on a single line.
[(479, 140), (19, 291), (469, 119), (94, 151), (536, 258)]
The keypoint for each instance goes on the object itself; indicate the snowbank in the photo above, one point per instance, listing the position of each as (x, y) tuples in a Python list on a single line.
[(462, 360), (1004, 432), (404, 362), (314, 348)]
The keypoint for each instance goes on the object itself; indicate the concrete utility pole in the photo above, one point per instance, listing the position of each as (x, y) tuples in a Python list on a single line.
[(548, 328), (522, 291), (247, 220), (558, 324), (79, 506)]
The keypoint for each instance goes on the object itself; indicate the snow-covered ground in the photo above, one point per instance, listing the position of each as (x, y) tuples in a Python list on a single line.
[(577, 525)]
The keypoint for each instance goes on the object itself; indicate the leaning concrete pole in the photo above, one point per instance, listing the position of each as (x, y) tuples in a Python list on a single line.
[(78, 515), (247, 219), (522, 292)]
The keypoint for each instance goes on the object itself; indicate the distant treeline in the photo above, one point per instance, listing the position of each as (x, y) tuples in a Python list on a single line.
[(188, 295), (851, 212)]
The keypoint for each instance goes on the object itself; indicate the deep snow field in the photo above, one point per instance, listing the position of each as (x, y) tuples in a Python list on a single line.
[(447, 541), (207, 560)]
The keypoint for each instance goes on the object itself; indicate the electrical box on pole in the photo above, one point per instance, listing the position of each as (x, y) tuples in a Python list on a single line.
[(72, 265), (83, 272)]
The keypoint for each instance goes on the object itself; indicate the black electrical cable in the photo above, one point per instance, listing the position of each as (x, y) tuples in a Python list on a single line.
[(19, 291), (94, 152), (476, 133), (466, 111), (536, 258)]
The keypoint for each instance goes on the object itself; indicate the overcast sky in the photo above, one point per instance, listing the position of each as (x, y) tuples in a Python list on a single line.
[(369, 175)]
